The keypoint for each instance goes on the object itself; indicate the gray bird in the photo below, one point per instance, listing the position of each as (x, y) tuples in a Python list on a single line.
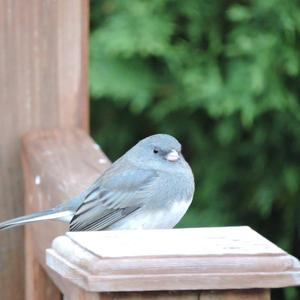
[(150, 186)]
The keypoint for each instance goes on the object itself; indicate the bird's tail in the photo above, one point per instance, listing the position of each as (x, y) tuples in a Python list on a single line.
[(37, 216)]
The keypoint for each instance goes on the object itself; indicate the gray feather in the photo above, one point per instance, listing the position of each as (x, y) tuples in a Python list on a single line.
[(110, 217), (34, 217), (113, 197)]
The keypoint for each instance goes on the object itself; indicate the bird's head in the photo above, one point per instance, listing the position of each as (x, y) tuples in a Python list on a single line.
[(157, 149)]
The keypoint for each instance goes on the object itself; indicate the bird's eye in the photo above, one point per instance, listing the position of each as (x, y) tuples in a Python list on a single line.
[(155, 150)]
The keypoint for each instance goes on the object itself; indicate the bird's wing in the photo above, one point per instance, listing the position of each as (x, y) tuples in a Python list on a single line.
[(115, 195)]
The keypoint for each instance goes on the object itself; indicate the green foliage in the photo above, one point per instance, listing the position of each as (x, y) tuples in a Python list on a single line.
[(223, 77)]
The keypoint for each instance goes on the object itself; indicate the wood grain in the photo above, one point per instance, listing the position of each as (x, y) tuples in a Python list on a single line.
[(152, 296), (210, 242), (43, 84), (38, 285), (65, 163), (255, 294), (178, 259)]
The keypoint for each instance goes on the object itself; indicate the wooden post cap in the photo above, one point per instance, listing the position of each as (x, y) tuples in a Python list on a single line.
[(177, 259)]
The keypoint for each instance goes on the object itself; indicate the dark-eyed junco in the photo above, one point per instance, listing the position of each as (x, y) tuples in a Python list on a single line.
[(150, 186)]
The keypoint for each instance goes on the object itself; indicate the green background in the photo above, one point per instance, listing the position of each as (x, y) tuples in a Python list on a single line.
[(222, 77)]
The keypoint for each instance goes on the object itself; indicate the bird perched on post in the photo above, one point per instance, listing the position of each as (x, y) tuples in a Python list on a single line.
[(150, 187)]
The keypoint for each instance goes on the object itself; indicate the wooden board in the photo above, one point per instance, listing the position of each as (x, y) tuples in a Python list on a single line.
[(43, 84), (58, 164), (178, 259), (202, 295)]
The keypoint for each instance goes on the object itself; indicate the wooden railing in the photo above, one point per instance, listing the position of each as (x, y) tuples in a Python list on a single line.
[(203, 263)]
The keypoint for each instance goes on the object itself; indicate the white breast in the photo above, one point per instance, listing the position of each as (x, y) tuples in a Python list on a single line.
[(154, 219)]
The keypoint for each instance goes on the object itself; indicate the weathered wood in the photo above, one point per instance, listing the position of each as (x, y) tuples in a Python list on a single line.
[(43, 84), (38, 285), (69, 290), (255, 294), (202, 295), (58, 164), (178, 259), (151, 296)]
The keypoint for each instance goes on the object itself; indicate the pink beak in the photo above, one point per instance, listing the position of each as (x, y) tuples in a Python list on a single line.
[(172, 155)]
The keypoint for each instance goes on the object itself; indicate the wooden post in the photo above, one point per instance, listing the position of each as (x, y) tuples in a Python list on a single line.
[(43, 84), (208, 264)]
